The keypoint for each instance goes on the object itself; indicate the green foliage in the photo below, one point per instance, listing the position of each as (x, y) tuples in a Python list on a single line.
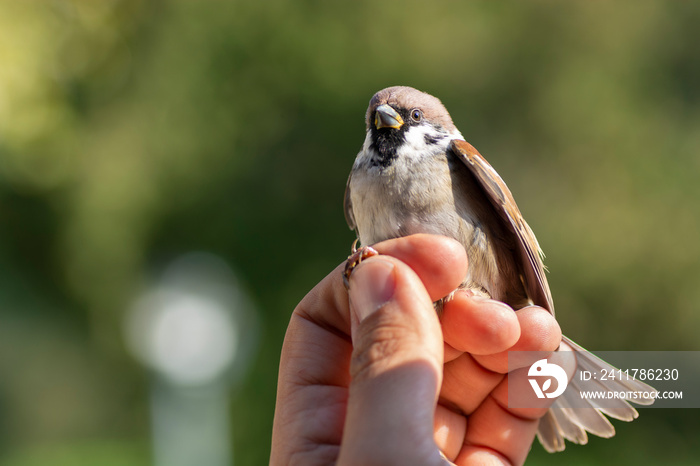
[(132, 131)]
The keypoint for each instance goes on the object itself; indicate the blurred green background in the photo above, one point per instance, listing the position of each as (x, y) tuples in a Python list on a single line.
[(132, 131)]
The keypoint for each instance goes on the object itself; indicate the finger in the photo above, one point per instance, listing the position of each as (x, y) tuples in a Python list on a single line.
[(507, 420), (311, 391), (479, 326), (470, 380), (440, 262), (450, 428), (466, 384), (516, 394), (539, 332), (471, 455), (474, 325), (450, 353), (491, 428), (396, 364)]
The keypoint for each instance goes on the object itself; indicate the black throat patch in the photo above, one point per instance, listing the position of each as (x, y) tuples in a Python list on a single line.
[(386, 143)]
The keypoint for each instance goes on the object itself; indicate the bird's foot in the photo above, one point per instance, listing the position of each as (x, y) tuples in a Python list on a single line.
[(469, 291), (354, 259)]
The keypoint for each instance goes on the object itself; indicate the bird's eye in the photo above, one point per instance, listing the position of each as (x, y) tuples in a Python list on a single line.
[(416, 114)]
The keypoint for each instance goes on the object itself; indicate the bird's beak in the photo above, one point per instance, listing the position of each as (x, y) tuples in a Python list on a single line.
[(386, 117)]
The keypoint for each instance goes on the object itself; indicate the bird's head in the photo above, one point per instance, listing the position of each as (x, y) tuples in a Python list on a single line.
[(403, 119)]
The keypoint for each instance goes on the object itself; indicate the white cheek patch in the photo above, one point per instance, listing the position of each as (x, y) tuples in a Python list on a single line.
[(416, 145)]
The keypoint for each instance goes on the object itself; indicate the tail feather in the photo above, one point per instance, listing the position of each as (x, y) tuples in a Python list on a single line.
[(549, 433), (590, 420), (564, 421), (592, 363), (569, 428), (617, 409)]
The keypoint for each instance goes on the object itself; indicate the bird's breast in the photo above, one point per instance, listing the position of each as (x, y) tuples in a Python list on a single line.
[(404, 199), (435, 196)]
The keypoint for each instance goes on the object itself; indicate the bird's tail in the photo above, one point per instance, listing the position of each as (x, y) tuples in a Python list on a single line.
[(568, 419)]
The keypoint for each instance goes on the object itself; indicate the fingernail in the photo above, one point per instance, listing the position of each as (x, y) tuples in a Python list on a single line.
[(372, 285)]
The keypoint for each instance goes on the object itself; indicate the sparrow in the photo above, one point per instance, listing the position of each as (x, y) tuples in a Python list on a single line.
[(415, 174)]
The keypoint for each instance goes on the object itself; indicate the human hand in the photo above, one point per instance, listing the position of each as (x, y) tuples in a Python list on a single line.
[(383, 381)]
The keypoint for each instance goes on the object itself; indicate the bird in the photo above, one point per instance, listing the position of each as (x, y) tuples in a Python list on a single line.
[(415, 173)]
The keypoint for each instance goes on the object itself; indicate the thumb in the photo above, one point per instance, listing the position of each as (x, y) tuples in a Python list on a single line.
[(396, 367)]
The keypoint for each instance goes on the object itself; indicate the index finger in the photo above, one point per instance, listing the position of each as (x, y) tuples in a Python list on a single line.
[(440, 263)]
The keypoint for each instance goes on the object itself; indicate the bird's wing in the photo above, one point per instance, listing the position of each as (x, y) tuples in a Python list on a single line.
[(347, 204), (561, 421), (533, 270)]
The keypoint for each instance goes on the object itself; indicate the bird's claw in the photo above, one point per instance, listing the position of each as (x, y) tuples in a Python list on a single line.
[(354, 259)]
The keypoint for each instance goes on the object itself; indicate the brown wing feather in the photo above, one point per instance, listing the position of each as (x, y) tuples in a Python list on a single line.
[(347, 204), (500, 196)]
